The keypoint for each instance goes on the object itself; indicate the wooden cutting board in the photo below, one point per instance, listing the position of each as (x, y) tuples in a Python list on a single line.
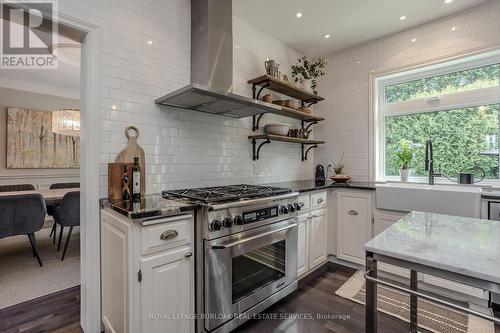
[(133, 150)]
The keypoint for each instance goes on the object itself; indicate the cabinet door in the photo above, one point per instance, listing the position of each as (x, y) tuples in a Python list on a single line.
[(317, 238), (303, 246), (382, 221), (167, 292), (353, 225)]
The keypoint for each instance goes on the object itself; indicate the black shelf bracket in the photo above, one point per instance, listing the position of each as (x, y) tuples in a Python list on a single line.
[(256, 94), (308, 103), (311, 123), (256, 150), (306, 151), (255, 121)]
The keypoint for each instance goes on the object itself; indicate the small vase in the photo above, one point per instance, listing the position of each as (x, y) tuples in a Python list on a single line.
[(305, 85), (404, 174)]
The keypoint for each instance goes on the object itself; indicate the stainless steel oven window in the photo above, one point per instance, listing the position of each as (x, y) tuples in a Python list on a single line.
[(257, 269)]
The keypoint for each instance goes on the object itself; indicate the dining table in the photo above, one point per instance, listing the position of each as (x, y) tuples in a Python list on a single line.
[(51, 196)]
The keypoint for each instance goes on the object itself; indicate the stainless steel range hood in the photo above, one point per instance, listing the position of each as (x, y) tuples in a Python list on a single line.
[(212, 66)]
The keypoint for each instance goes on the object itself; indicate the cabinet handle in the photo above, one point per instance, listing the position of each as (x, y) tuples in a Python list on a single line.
[(353, 212), (169, 234), (320, 200), (188, 254)]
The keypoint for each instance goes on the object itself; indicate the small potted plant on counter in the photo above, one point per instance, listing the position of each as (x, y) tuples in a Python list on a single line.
[(306, 71), (338, 170), (405, 155)]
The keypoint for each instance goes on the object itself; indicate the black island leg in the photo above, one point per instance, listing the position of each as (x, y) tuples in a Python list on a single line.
[(413, 302), (371, 295)]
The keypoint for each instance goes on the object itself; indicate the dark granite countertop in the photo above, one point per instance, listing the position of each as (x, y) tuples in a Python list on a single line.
[(150, 205), (309, 185)]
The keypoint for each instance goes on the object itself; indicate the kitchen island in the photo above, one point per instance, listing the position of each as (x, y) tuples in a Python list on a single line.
[(460, 249)]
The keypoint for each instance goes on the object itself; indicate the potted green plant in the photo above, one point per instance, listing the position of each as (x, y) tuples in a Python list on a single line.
[(405, 155), (338, 166), (307, 71)]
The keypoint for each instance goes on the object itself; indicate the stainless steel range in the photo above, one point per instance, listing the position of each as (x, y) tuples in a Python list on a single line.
[(246, 251)]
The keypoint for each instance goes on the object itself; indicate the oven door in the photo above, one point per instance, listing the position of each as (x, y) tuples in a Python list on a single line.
[(244, 269)]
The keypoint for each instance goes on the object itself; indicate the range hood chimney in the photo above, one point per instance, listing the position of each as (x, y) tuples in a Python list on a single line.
[(211, 84)]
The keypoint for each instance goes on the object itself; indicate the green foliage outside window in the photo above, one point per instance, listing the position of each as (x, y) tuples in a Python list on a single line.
[(460, 140), (482, 77)]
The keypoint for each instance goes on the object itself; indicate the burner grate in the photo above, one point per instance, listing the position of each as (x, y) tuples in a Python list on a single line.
[(227, 193)]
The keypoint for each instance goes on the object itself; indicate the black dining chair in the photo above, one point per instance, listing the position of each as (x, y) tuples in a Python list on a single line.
[(50, 208), (22, 215), (67, 214), (17, 187)]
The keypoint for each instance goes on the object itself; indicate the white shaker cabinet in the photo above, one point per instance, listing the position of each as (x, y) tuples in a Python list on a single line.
[(303, 245), (166, 289), (312, 234), (382, 221), (318, 238), (354, 220), (147, 273)]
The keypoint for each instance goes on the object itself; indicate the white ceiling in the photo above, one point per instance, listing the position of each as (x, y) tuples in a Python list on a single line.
[(63, 81), (349, 22)]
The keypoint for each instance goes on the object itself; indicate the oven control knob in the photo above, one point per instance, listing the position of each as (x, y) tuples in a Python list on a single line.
[(296, 205), (238, 220), (214, 225), (227, 222), (283, 210), (291, 209)]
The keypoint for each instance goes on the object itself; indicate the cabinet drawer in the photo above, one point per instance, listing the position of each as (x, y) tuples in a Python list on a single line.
[(303, 203), (161, 234), (318, 200)]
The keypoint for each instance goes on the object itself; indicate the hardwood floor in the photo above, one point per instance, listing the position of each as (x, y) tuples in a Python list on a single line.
[(316, 295), (60, 312), (56, 313)]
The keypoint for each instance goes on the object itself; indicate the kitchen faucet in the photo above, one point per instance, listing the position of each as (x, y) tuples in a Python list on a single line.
[(429, 162)]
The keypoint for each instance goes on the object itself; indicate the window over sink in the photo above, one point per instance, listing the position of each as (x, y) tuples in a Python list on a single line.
[(456, 104)]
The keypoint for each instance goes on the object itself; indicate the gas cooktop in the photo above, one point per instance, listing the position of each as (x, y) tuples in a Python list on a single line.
[(215, 194)]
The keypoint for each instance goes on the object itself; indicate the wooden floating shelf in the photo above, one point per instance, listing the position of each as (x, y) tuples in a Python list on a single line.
[(285, 88), (286, 112), (269, 137), (292, 113)]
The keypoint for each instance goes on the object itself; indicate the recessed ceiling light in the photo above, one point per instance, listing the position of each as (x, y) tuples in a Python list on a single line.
[(403, 17), (150, 42), (327, 36), (298, 14), (358, 62), (453, 28), (413, 40), (448, 1)]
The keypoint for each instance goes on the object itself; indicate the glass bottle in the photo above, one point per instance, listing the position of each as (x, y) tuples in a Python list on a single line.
[(136, 179)]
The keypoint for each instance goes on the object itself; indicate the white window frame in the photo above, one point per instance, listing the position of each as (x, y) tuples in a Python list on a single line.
[(382, 109)]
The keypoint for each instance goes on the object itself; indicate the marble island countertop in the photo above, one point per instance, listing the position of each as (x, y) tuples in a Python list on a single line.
[(467, 246)]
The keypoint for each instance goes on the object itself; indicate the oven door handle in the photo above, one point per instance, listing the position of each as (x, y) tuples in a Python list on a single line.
[(248, 239)]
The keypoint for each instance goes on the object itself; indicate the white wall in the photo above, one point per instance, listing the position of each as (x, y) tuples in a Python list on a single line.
[(183, 148), (24, 99), (346, 85)]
